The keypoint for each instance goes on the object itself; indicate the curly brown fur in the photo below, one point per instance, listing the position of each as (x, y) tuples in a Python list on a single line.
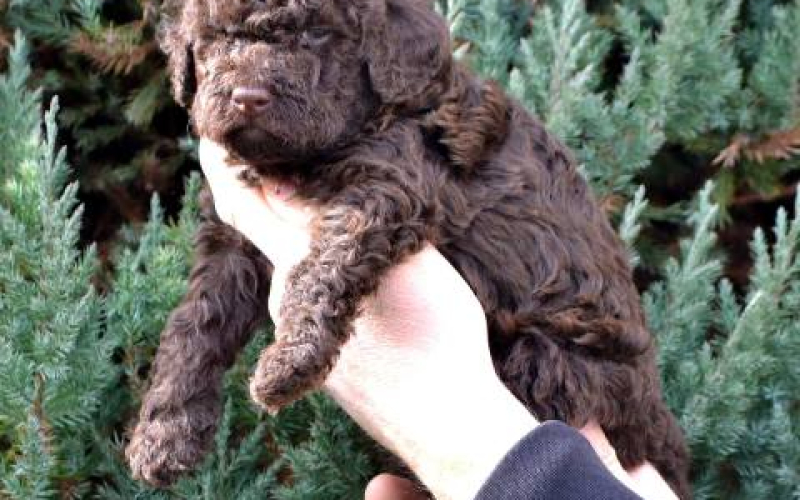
[(361, 105), (227, 289)]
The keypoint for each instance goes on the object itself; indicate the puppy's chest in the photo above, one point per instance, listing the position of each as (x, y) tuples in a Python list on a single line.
[(406, 165)]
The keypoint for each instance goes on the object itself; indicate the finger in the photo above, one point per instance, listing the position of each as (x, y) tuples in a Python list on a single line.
[(608, 455), (597, 438), (277, 288), (389, 487), (230, 193), (285, 206), (644, 479), (650, 484), (213, 159), (225, 178)]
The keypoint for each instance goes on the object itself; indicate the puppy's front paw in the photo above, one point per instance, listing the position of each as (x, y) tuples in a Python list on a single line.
[(162, 450), (284, 374)]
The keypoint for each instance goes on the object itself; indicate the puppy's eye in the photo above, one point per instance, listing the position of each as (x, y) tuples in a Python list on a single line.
[(316, 36)]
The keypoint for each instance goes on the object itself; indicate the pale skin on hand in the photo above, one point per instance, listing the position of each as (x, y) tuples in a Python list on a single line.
[(417, 375)]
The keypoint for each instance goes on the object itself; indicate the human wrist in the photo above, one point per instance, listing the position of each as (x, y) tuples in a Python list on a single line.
[(454, 440), (451, 439)]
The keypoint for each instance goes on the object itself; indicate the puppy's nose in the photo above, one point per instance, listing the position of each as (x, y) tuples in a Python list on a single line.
[(250, 100)]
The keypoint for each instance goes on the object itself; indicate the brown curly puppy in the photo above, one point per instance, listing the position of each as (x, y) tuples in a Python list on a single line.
[(360, 104)]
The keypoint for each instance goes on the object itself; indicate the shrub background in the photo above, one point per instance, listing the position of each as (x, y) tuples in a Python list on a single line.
[(684, 116)]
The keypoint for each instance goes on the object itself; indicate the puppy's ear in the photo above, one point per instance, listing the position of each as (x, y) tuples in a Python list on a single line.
[(180, 60), (407, 46), (184, 80)]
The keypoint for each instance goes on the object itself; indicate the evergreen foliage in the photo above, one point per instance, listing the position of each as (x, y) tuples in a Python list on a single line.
[(75, 363), (124, 131), (669, 94), (729, 364), (56, 362)]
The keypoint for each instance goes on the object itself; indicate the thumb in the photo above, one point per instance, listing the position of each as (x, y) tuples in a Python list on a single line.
[(389, 487), (279, 227)]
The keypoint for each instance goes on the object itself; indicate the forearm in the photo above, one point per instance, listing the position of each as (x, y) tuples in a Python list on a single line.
[(445, 413), (451, 446)]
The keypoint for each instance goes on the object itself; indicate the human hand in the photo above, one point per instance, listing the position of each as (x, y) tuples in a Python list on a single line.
[(398, 376), (417, 375)]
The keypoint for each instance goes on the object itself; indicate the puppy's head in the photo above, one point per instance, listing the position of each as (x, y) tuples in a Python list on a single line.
[(279, 80)]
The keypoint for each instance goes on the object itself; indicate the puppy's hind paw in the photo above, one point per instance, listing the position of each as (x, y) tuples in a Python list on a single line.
[(160, 452)]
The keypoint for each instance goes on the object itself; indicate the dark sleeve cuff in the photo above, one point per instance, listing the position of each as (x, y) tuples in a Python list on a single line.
[(554, 461)]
